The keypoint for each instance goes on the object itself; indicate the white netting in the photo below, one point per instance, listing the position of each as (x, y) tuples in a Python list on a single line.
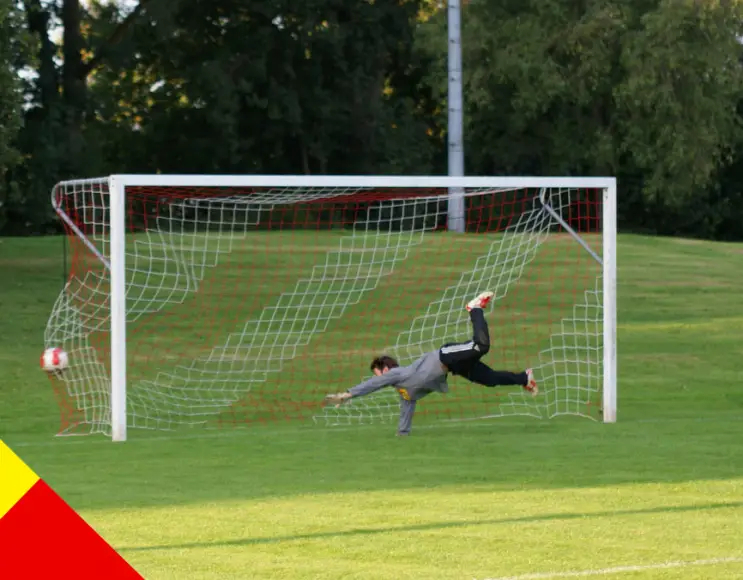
[(569, 368), (228, 293)]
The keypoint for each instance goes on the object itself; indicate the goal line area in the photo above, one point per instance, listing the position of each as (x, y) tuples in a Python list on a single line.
[(232, 304), (620, 570)]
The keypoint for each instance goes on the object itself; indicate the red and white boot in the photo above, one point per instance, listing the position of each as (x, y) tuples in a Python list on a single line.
[(481, 301), (531, 383)]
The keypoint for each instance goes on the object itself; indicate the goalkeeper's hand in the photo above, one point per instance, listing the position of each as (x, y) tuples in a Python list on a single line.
[(337, 399)]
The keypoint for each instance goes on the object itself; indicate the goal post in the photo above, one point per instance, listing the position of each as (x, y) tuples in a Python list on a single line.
[(117, 217), (223, 299), (609, 275)]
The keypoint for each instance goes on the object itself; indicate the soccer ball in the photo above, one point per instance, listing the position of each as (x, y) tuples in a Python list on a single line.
[(54, 360)]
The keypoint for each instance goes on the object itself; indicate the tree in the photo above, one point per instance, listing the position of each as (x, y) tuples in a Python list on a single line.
[(538, 80), (11, 98), (678, 97), (308, 86), (645, 90), (60, 138)]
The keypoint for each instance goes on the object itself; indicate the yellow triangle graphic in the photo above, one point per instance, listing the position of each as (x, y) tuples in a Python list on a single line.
[(16, 478)]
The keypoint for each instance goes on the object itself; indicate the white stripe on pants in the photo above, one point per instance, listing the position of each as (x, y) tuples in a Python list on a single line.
[(458, 347)]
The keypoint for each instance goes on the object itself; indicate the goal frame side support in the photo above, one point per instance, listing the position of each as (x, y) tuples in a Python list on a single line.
[(117, 233), (117, 259), (609, 237)]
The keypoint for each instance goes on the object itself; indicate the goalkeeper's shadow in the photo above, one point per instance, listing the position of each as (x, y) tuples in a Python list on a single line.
[(255, 541)]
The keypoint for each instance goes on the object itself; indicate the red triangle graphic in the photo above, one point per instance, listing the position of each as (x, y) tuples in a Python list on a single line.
[(42, 537)]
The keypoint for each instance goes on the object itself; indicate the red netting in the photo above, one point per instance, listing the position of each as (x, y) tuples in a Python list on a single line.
[(249, 305)]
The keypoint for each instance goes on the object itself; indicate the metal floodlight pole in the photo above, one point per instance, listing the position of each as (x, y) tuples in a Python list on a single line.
[(456, 221)]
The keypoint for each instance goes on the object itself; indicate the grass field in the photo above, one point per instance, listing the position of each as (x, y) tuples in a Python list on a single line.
[(657, 495)]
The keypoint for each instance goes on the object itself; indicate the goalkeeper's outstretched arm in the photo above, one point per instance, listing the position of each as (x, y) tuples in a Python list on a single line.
[(392, 377)]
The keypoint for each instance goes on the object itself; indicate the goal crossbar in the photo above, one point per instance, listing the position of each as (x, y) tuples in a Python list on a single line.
[(370, 181)]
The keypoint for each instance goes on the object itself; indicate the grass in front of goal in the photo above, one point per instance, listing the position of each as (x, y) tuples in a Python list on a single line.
[(657, 495)]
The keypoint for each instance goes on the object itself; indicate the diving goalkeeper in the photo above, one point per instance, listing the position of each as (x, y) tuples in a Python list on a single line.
[(428, 374)]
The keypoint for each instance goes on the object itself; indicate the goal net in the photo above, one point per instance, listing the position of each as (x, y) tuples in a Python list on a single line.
[(246, 300)]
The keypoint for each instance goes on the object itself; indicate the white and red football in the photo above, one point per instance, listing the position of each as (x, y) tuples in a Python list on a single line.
[(54, 360)]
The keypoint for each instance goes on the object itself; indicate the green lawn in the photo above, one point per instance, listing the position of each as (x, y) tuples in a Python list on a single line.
[(657, 495)]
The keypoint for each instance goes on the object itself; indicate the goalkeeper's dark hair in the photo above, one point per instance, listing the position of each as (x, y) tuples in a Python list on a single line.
[(383, 361)]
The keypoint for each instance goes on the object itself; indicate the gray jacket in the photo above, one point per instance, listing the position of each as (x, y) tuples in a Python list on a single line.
[(412, 382)]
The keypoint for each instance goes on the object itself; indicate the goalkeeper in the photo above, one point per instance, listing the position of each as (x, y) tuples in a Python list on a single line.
[(429, 373)]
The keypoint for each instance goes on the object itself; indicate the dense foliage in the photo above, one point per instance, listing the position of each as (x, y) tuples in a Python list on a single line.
[(647, 90)]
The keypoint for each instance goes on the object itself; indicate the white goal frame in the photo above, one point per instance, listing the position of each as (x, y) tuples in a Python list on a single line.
[(116, 264)]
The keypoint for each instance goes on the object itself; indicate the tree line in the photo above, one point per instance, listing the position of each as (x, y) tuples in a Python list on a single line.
[(648, 91)]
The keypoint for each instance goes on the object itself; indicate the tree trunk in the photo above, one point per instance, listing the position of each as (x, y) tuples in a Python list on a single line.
[(38, 24), (74, 89)]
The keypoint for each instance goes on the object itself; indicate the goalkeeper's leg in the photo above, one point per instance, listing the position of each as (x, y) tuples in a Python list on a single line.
[(459, 356), (482, 374), (464, 358)]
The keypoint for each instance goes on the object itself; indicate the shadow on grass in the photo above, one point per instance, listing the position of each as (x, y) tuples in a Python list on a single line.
[(433, 526)]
